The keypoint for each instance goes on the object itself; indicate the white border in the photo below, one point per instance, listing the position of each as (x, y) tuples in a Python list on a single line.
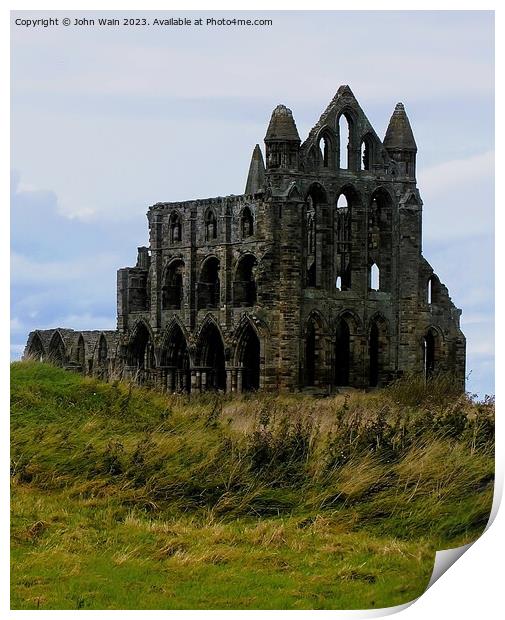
[(473, 586)]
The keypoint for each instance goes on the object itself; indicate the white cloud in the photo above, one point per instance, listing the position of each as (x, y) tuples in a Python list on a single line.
[(86, 321), (426, 54), (454, 175), (27, 271), (16, 325), (458, 198)]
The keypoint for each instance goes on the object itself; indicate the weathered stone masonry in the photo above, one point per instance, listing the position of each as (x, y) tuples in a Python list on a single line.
[(313, 277)]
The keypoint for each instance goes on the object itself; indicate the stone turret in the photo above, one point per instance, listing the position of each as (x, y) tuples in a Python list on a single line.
[(282, 140), (316, 282), (400, 144), (256, 176)]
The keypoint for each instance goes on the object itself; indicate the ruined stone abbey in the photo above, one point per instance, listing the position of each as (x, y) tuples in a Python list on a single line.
[(314, 277)]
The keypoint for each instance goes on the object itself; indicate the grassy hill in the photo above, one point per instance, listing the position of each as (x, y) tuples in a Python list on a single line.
[(126, 498)]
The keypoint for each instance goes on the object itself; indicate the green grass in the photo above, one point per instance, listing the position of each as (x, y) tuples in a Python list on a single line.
[(123, 498)]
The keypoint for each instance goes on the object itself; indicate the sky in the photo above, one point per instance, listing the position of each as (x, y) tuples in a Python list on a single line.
[(106, 121)]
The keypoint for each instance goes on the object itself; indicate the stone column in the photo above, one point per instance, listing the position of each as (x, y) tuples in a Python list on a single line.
[(194, 378), (171, 380)]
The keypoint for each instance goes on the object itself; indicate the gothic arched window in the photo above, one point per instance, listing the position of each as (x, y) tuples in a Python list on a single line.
[(210, 225), (175, 228), (366, 154), (344, 132), (374, 277), (247, 223)]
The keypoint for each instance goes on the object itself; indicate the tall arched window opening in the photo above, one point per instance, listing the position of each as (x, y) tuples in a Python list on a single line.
[(141, 349), (212, 357), (324, 150), (244, 286), (366, 155), (175, 228), (314, 251), (342, 202), (172, 288), (210, 225), (249, 359), (430, 343), (343, 241), (209, 285), (344, 138), (433, 290), (247, 223), (374, 277)]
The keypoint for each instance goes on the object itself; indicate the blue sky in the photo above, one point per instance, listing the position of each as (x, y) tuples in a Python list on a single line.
[(106, 122)]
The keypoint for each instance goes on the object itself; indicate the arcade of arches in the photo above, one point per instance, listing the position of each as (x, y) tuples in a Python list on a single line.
[(313, 277), (334, 358), (203, 368)]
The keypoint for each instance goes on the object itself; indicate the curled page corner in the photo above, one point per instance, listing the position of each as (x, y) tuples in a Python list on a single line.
[(445, 558)]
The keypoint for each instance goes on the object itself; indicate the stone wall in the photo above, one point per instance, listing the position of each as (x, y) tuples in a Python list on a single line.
[(314, 278)]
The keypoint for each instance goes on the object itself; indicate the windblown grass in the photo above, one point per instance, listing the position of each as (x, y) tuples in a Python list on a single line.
[(126, 498)]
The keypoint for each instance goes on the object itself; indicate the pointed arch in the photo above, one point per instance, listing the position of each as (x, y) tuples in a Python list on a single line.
[(247, 355), (346, 200), (172, 289), (244, 283), (294, 192), (433, 290), (246, 223), (36, 350), (57, 351), (316, 196), (175, 227), (310, 241), (380, 234), (326, 142), (80, 352), (209, 283), (317, 193), (366, 152), (211, 355), (210, 225), (346, 329), (175, 359), (345, 130), (432, 351), (374, 277), (342, 202), (351, 194), (140, 348), (383, 197)]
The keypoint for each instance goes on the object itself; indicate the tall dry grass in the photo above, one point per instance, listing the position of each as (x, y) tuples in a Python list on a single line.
[(412, 458)]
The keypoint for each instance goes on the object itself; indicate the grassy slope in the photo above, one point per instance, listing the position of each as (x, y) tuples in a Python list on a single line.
[(124, 498)]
